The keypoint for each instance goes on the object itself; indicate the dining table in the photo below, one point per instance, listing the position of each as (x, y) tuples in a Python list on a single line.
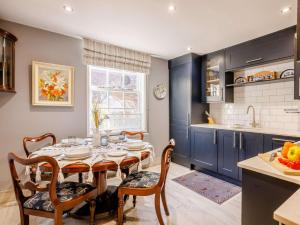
[(107, 200)]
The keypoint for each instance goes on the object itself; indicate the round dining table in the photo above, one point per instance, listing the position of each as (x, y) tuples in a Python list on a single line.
[(107, 195)]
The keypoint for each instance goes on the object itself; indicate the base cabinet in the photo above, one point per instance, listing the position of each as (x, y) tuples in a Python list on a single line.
[(228, 153), (181, 154), (274, 141), (204, 151)]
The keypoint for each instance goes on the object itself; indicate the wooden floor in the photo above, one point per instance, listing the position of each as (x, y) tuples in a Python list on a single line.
[(186, 208)]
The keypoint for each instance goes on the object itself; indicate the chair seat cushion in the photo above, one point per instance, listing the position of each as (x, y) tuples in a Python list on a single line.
[(142, 179), (65, 191)]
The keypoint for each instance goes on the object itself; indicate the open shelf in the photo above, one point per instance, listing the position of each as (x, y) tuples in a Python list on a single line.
[(261, 82)]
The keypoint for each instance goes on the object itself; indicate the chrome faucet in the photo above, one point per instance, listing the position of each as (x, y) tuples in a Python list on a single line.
[(253, 124)]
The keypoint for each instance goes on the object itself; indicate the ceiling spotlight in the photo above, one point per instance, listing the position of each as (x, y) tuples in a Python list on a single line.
[(68, 8), (189, 48), (286, 10), (172, 8)]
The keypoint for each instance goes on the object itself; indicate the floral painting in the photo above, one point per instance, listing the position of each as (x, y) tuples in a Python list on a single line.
[(52, 85)]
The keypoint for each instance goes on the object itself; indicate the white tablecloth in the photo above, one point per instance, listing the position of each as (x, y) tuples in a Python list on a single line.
[(98, 155)]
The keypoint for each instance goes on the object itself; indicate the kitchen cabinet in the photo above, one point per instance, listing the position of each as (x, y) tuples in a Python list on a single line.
[(228, 153), (204, 151), (276, 141), (250, 144), (215, 80), (185, 103), (269, 48)]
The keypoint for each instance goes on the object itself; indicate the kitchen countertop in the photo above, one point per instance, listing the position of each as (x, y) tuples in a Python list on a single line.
[(250, 129), (288, 212)]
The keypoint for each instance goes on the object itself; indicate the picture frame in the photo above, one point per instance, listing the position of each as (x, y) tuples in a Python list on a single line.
[(52, 84)]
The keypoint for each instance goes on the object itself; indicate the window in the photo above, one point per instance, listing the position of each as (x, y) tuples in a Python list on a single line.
[(121, 96)]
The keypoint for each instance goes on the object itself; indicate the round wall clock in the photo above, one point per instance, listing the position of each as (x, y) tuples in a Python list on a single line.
[(160, 91)]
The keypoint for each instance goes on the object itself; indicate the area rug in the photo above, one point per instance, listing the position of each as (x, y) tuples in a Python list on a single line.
[(210, 187)]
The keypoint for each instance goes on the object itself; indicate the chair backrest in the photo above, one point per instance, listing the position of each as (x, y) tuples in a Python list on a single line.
[(165, 162), (30, 185), (37, 139), (133, 133)]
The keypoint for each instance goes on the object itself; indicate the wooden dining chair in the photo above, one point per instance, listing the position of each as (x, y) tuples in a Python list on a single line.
[(45, 176), (146, 183), (54, 199), (133, 133)]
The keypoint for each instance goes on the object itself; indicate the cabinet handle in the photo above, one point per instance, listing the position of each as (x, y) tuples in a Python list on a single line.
[(215, 137), (234, 140), (282, 140), (222, 93), (241, 141), (254, 60), (188, 118)]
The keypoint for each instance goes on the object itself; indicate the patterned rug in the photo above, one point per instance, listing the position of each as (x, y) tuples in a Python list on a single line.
[(212, 188)]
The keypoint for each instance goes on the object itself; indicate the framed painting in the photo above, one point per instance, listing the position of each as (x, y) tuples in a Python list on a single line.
[(52, 84)]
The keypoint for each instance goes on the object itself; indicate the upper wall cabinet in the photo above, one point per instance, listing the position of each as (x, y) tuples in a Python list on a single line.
[(272, 47), (214, 78), (7, 61)]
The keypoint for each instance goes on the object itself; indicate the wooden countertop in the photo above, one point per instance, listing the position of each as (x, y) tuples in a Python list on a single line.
[(288, 213), (256, 164), (250, 129)]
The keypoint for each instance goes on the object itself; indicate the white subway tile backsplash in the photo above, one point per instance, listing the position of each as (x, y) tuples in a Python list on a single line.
[(269, 101)]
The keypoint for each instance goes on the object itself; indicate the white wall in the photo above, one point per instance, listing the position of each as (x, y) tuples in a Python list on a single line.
[(18, 118), (269, 100)]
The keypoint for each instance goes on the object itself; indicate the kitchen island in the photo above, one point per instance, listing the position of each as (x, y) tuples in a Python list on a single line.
[(268, 196)]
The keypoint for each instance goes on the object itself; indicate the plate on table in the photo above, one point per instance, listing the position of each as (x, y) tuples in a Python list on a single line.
[(78, 152), (76, 141), (136, 146), (117, 153), (77, 158)]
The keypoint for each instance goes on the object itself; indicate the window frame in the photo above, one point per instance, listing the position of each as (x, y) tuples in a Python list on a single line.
[(144, 106)]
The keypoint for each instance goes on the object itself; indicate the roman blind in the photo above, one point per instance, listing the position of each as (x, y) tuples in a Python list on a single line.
[(112, 56)]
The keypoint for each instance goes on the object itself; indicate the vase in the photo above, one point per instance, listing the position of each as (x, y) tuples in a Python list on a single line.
[(96, 138)]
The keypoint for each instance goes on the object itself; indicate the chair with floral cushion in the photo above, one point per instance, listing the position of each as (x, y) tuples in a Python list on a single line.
[(44, 175), (146, 183), (53, 200)]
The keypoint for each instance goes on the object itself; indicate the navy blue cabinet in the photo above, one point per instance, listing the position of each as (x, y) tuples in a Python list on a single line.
[(204, 151), (228, 153), (185, 103), (250, 144), (275, 141)]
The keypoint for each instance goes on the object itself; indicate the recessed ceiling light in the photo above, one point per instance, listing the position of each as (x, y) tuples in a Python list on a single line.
[(286, 10), (189, 48), (172, 8), (68, 8)]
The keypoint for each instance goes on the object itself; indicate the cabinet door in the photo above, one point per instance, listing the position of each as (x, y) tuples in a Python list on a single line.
[(181, 154), (228, 153), (275, 141), (275, 46), (214, 76), (204, 152), (180, 94), (250, 144)]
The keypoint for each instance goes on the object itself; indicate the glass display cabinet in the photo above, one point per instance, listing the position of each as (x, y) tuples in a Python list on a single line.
[(7, 61)]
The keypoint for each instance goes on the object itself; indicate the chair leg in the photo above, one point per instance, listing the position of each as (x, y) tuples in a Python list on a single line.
[(134, 201), (92, 211), (80, 179), (163, 198), (120, 209), (157, 208), (58, 218), (24, 218)]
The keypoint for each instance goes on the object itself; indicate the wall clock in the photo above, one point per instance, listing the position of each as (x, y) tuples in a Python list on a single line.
[(160, 91)]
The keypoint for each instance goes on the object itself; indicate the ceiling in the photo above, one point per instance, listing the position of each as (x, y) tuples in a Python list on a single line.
[(148, 26)]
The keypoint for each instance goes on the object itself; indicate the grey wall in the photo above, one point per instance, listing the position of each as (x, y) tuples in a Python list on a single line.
[(18, 118)]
